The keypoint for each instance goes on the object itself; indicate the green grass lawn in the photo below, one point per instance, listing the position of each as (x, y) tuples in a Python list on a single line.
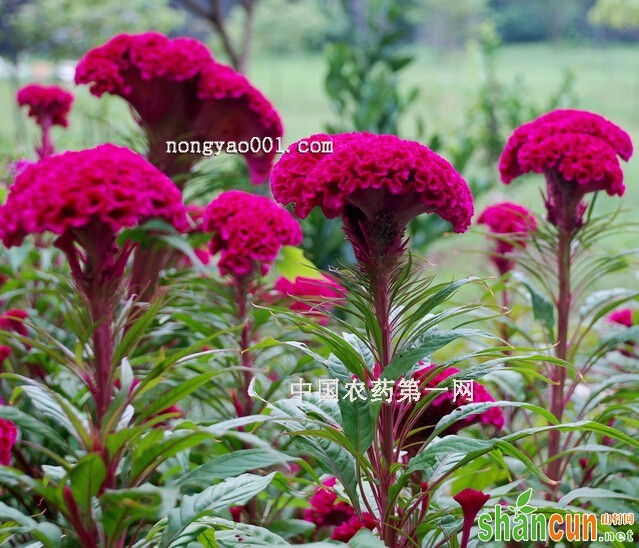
[(607, 82)]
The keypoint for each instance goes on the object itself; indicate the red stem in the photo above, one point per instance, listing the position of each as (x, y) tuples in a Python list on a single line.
[(558, 373)]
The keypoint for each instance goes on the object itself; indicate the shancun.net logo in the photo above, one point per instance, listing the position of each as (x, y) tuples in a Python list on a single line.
[(522, 523)]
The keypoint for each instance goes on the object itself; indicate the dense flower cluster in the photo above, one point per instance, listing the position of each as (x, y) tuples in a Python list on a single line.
[(48, 105), (108, 185), (248, 231), (376, 174), (443, 405), (180, 91), (8, 437), (513, 223), (577, 150), (311, 296), (326, 510)]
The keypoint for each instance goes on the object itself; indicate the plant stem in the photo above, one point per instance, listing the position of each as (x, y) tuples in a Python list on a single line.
[(556, 392), (381, 291)]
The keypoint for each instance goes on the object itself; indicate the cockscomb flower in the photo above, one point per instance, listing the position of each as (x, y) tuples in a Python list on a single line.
[(311, 296), (248, 232), (376, 183), (428, 417), (49, 106), (513, 224), (13, 320), (471, 502), (578, 153), (180, 92), (326, 510), (75, 192), (8, 437)]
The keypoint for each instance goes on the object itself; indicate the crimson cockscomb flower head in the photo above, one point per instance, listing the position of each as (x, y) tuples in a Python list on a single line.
[(87, 198), (376, 183), (179, 91), (48, 105), (248, 232), (512, 224), (623, 316), (311, 296), (427, 417), (347, 530), (578, 153), (8, 437), (471, 502)]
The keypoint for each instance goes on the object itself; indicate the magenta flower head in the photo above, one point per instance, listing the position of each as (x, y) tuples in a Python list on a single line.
[(427, 417), (471, 503), (578, 153), (376, 183), (8, 437), (49, 106), (180, 92), (623, 316), (248, 232), (86, 198), (512, 225), (311, 296)]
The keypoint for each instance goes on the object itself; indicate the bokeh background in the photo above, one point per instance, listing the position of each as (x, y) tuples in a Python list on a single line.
[(458, 76)]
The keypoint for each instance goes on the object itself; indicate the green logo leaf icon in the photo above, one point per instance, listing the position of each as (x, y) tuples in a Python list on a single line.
[(521, 505)]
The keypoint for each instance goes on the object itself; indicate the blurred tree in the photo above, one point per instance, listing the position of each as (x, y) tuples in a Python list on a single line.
[(68, 28), (217, 13), (448, 24), (286, 26), (616, 14), (519, 21)]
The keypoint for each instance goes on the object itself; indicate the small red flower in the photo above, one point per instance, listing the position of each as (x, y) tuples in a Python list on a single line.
[(49, 105), (471, 502), (623, 316), (248, 232), (12, 320), (514, 224)]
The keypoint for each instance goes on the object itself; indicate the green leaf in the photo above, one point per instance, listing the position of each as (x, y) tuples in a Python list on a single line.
[(122, 507), (365, 539), (15, 521), (86, 479), (292, 264), (233, 464), (543, 309), (588, 493), (232, 491)]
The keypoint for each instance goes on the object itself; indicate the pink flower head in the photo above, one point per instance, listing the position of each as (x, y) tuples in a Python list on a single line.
[(12, 320), (577, 151), (347, 530), (443, 405), (75, 192), (376, 183), (48, 105), (622, 316), (514, 224), (314, 296), (8, 437), (471, 502), (180, 92), (248, 231)]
